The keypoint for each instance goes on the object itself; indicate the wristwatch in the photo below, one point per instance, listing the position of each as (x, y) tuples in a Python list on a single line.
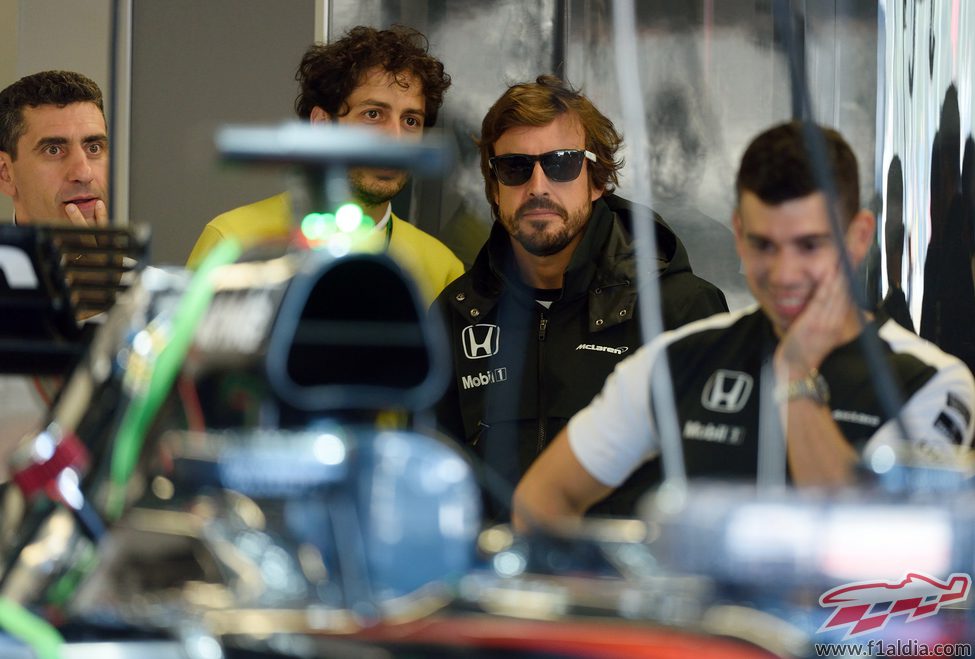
[(813, 386)]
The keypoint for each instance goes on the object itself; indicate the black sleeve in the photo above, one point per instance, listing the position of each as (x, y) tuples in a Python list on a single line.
[(447, 410)]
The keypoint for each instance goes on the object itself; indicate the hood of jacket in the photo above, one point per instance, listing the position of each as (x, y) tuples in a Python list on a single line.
[(671, 253)]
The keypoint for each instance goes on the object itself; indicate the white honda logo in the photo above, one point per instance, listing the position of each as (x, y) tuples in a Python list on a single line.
[(727, 391), (481, 341)]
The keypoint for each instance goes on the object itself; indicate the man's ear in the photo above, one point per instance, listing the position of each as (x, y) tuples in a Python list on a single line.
[(739, 231), (7, 185), (860, 235), (319, 116), (736, 223)]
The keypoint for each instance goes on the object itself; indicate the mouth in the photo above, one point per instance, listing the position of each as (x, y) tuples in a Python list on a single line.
[(85, 204), (82, 201), (789, 306), (387, 174), (540, 214)]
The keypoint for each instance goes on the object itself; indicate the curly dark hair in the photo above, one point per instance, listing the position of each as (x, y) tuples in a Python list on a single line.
[(58, 88), (329, 73), (538, 104), (776, 168)]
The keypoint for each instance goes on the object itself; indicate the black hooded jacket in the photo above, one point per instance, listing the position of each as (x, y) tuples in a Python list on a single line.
[(520, 371)]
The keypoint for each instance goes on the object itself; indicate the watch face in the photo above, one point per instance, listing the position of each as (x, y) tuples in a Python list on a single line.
[(813, 386)]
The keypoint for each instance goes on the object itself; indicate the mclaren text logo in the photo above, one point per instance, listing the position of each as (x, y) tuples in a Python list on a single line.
[(592, 346), (481, 341), (726, 391), (484, 378)]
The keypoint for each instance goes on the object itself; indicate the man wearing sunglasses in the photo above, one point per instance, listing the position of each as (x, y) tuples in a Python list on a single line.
[(792, 365), (548, 308), (383, 80)]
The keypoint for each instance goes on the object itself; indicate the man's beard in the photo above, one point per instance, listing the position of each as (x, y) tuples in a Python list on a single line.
[(370, 191), (534, 238)]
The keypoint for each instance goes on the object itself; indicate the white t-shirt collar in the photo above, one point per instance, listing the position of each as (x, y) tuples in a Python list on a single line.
[(381, 225)]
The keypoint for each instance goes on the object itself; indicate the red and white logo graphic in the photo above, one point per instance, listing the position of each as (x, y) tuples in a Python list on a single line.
[(867, 606)]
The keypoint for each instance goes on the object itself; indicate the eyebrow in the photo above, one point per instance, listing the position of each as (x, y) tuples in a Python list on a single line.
[(49, 141), (751, 236)]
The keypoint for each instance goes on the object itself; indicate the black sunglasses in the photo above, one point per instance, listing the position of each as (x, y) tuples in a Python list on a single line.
[(561, 166)]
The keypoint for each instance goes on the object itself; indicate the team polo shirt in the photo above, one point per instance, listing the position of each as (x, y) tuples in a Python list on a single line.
[(716, 366)]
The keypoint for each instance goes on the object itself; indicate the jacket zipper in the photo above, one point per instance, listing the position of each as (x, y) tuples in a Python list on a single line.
[(542, 327), (480, 428)]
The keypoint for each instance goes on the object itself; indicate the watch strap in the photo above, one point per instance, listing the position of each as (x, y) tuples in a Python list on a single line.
[(812, 386)]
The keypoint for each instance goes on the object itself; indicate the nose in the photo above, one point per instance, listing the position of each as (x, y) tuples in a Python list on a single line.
[(783, 269), (79, 167), (393, 129), (538, 184)]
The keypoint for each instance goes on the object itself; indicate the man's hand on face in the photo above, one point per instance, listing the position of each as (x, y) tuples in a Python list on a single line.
[(86, 257), (818, 330), (78, 219)]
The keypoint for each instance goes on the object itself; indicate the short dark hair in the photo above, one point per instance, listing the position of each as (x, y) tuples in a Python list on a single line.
[(776, 168), (538, 104), (329, 73), (58, 88)]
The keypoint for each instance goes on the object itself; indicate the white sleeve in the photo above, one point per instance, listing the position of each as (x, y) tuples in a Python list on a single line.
[(613, 435), (939, 416)]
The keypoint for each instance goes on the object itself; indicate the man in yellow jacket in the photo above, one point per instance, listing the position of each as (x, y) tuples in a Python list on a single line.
[(383, 79)]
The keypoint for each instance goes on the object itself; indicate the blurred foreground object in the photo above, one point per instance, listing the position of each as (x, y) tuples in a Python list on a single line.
[(305, 516), (51, 279)]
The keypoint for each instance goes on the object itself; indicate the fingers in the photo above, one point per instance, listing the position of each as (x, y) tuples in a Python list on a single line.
[(832, 306), (78, 218), (838, 303), (101, 213), (75, 215), (827, 300), (824, 325), (820, 327)]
